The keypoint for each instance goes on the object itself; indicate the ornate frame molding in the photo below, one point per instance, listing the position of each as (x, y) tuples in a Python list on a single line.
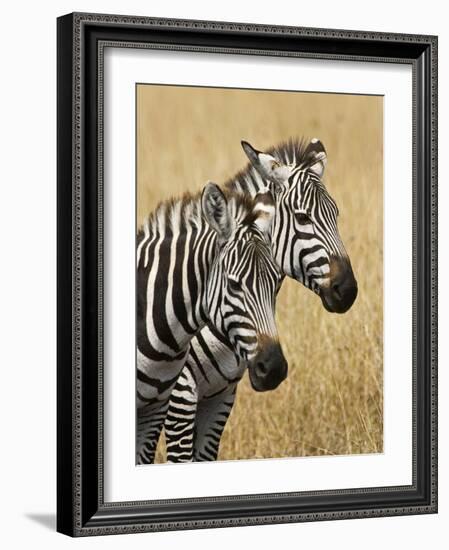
[(81, 42)]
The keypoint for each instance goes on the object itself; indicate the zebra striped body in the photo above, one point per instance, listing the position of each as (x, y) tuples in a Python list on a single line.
[(203, 260), (306, 246)]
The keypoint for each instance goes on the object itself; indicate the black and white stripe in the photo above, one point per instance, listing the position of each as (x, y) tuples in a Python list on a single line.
[(307, 247)]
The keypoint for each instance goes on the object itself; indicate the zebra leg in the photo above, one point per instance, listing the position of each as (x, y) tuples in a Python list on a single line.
[(211, 417), (180, 421), (155, 383), (149, 425)]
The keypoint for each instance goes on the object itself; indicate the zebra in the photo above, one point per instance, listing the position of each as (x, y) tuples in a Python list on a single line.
[(307, 247), (203, 259)]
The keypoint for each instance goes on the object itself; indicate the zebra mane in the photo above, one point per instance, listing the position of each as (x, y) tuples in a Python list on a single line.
[(176, 213), (291, 151)]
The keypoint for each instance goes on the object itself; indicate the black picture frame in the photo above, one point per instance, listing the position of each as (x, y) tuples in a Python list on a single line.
[(81, 509)]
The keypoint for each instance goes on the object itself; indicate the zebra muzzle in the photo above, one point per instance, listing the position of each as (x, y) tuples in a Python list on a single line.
[(268, 368), (341, 292)]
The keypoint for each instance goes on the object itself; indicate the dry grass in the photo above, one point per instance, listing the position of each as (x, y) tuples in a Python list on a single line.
[(331, 402)]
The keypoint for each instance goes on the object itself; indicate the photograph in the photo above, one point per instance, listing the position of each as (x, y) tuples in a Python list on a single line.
[(259, 273)]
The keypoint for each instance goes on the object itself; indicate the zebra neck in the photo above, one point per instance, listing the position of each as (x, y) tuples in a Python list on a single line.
[(249, 182), (191, 258), (175, 251)]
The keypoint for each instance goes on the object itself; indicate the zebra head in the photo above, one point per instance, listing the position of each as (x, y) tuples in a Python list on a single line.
[(243, 282), (306, 241)]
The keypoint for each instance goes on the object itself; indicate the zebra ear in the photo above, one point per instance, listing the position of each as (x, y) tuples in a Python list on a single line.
[(264, 208), (316, 158), (267, 166), (215, 210)]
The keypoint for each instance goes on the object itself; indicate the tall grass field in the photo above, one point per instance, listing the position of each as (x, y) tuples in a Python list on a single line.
[(332, 401)]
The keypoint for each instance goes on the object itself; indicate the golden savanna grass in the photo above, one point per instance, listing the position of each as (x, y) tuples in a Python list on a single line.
[(332, 400)]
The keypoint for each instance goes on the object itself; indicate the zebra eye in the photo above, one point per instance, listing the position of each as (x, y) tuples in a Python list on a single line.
[(274, 164), (302, 218), (234, 285)]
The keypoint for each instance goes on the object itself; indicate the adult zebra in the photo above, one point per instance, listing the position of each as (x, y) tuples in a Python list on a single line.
[(190, 255), (307, 246)]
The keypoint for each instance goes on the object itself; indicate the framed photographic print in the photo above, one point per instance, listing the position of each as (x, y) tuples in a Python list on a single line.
[(247, 282)]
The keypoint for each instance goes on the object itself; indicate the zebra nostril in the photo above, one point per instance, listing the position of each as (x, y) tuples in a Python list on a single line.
[(336, 289), (261, 369)]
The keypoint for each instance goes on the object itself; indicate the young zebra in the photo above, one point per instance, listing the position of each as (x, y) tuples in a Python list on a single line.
[(307, 246), (192, 255)]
